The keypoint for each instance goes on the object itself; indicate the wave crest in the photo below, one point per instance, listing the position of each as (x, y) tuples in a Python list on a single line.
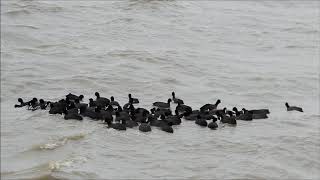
[(59, 142)]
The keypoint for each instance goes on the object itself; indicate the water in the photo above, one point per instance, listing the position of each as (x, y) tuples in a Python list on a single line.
[(248, 54)]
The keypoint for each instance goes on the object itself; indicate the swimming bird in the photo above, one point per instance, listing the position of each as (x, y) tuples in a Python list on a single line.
[(92, 103), (109, 123), (58, 107), (89, 112), (183, 109), (108, 115), (98, 113), (145, 127), (216, 111), (131, 124), (201, 122), (71, 115), (134, 100), (119, 108), (21, 103), (259, 111), (125, 115), (118, 126), (228, 119), (166, 127), (111, 110), (206, 115), (240, 115), (158, 112), (43, 104), (72, 106), (192, 116), (208, 107), (118, 117), (176, 100), (78, 104), (128, 105), (74, 97), (162, 104), (213, 125), (153, 120), (105, 114), (175, 119), (141, 117), (101, 101), (33, 99), (249, 116), (293, 108), (33, 104), (261, 115), (121, 126), (141, 110), (113, 102)]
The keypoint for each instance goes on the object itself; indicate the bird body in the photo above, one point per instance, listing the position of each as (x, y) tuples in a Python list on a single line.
[(208, 107), (176, 100), (213, 125), (144, 127), (162, 104), (293, 108)]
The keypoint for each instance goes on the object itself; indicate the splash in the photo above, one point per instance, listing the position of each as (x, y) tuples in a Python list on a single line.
[(43, 171), (59, 142), (69, 162)]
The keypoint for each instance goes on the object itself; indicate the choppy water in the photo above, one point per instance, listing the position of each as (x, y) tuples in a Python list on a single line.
[(248, 54)]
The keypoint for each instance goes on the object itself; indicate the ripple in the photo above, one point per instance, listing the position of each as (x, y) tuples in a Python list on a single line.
[(25, 26), (14, 13), (58, 143), (251, 54)]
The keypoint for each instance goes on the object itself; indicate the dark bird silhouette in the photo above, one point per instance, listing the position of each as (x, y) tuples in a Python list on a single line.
[(21, 103), (162, 104), (176, 100), (201, 122), (208, 107), (213, 125), (293, 108), (134, 100)]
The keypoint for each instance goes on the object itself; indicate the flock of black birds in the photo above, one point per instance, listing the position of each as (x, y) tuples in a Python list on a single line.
[(117, 117)]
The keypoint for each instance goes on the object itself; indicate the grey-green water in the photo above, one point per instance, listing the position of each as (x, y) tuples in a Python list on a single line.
[(248, 54)]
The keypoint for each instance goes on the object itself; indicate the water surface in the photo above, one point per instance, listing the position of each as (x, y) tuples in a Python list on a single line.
[(248, 54)]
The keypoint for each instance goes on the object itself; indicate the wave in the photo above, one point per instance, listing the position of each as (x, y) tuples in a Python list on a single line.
[(45, 171), (42, 171), (128, 53), (59, 142), (27, 50), (24, 26), (47, 46), (301, 30), (57, 165), (300, 47), (17, 12), (262, 78)]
